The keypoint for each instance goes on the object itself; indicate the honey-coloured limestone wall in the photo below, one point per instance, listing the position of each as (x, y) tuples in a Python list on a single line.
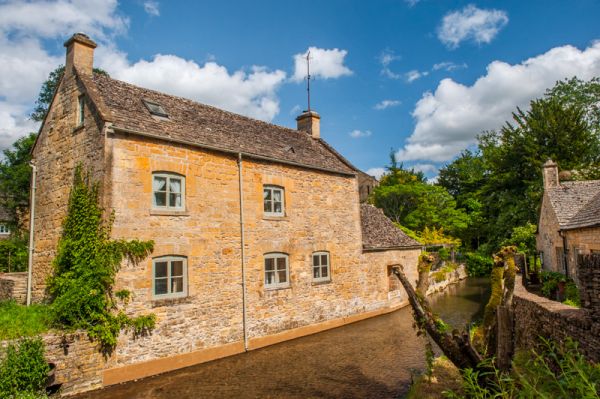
[(548, 239)]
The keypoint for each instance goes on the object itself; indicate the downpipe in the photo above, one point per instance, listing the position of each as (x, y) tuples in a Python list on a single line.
[(243, 259), (31, 226)]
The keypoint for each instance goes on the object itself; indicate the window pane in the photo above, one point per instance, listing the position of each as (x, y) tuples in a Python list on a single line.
[(316, 271), (282, 274), (176, 268), (174, 185), (277, 195), (281, 264), (316, 260), (175, 200), (324, 271), (268, 206), (269, 264), (269, 278), (160, 199), (160, 269), (277, 207), (177, 285), (324, 260), (267, 194), (159, 183), (160, 286)]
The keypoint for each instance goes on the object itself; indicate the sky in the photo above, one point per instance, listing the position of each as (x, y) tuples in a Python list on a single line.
[(421, 78)]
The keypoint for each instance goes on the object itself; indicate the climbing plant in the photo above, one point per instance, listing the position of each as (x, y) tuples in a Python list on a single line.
[(85, 268)]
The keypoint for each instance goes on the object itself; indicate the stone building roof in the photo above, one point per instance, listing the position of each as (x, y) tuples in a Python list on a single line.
[(379, 233), (576, 203), (198, 124)]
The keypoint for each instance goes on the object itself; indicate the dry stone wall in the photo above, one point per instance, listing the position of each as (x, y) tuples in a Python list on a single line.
[(13, 286)]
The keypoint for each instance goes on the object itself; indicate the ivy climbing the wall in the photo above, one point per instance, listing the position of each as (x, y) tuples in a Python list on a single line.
[(85, 268)]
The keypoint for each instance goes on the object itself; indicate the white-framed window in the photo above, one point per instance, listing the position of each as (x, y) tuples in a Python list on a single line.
[(4, 230), (277, 270), (273, 201), (80, 110), (168, 191), (169, 277), (321, 266)]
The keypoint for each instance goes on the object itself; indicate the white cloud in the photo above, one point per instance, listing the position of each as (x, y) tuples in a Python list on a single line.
[(385, 59), (295, 111), (356, 134), (425, 167), (324, 63), (376, 172), (471, 23), (412, 3), (448, 120), (448, 66), (415, 74), (152, 8), (384, 104)]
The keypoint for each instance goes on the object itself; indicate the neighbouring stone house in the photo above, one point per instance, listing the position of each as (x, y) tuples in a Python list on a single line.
[(259, 234), (569, 223)]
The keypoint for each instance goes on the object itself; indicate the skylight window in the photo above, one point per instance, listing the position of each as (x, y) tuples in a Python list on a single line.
[(156, 109)]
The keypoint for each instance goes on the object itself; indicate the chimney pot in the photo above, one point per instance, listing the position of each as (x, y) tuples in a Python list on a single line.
[(80, 54), (310, 121)]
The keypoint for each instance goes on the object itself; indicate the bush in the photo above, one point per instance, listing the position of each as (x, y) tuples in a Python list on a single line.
[(23, 321), (444, 253), (13, 254), (478, 265), (23, 370), (550, 282)]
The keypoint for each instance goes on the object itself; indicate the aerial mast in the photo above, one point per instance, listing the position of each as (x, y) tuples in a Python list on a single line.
[(308, 78)]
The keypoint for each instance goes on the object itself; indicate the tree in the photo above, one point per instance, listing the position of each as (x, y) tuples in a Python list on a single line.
[(42, 104)]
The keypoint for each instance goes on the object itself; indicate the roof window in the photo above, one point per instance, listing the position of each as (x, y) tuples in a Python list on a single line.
[(156, 109)]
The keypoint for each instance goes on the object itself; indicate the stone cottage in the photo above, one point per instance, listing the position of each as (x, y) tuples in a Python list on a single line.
[(569, 222), (259, 234)]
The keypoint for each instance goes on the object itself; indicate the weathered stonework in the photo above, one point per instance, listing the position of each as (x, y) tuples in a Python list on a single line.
[(13, 286)]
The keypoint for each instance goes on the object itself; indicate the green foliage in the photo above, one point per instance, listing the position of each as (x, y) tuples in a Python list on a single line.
[(478, 265), (42, 104), (444, 253), (13, 253), (556, 372), (23, 369), (407, 199), (23, 321), (572, 294), (85, 268), (523, 237), (432, 236), (550, 281)]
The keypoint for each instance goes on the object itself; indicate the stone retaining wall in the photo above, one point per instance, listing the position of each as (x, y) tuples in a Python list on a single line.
[(451, 278), (13, 286), (536, 316)]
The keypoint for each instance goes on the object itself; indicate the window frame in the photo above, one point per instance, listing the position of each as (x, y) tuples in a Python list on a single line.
[(168, 176), (4, 229), (169, 259), (320, 279), (80, 110), (272, 188), (277, 284)]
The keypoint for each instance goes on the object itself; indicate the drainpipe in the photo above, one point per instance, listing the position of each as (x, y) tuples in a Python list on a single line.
[(241, 188), (31, 225)]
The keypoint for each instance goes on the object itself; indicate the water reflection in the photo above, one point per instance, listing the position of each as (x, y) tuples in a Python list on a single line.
[(369, 359)]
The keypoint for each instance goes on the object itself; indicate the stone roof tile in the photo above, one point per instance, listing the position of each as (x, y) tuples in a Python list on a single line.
[(379, 233), (573, 197)]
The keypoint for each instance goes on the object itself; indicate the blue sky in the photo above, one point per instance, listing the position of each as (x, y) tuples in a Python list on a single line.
[(422, 77)]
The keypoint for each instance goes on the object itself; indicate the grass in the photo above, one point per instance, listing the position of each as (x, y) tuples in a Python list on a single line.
[(18, 321), (443, 378)]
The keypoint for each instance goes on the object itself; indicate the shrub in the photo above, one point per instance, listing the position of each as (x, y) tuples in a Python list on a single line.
[(444, 253), (478, 265), (572, 294), (23, 370), (23, 321), (13, 253)]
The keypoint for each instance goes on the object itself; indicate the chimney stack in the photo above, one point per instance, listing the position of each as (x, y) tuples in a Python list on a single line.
[(550, 174), (309, 121), (80, 54)]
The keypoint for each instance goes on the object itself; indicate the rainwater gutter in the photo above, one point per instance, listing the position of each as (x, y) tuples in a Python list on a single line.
[(243, 261), (565, 252), (31, 225)]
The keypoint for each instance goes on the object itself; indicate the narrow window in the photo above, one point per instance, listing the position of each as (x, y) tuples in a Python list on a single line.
[(273, 201), (155, 109), (168, 191), (169, 277), (320, 265), (80, 110), (277, 271), (4, 229)]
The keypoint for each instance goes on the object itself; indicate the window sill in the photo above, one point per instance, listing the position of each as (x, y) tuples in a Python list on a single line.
[(275, 218), (324, 282), (166, 212), (78, 128), (159, 302), (271, 289)]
